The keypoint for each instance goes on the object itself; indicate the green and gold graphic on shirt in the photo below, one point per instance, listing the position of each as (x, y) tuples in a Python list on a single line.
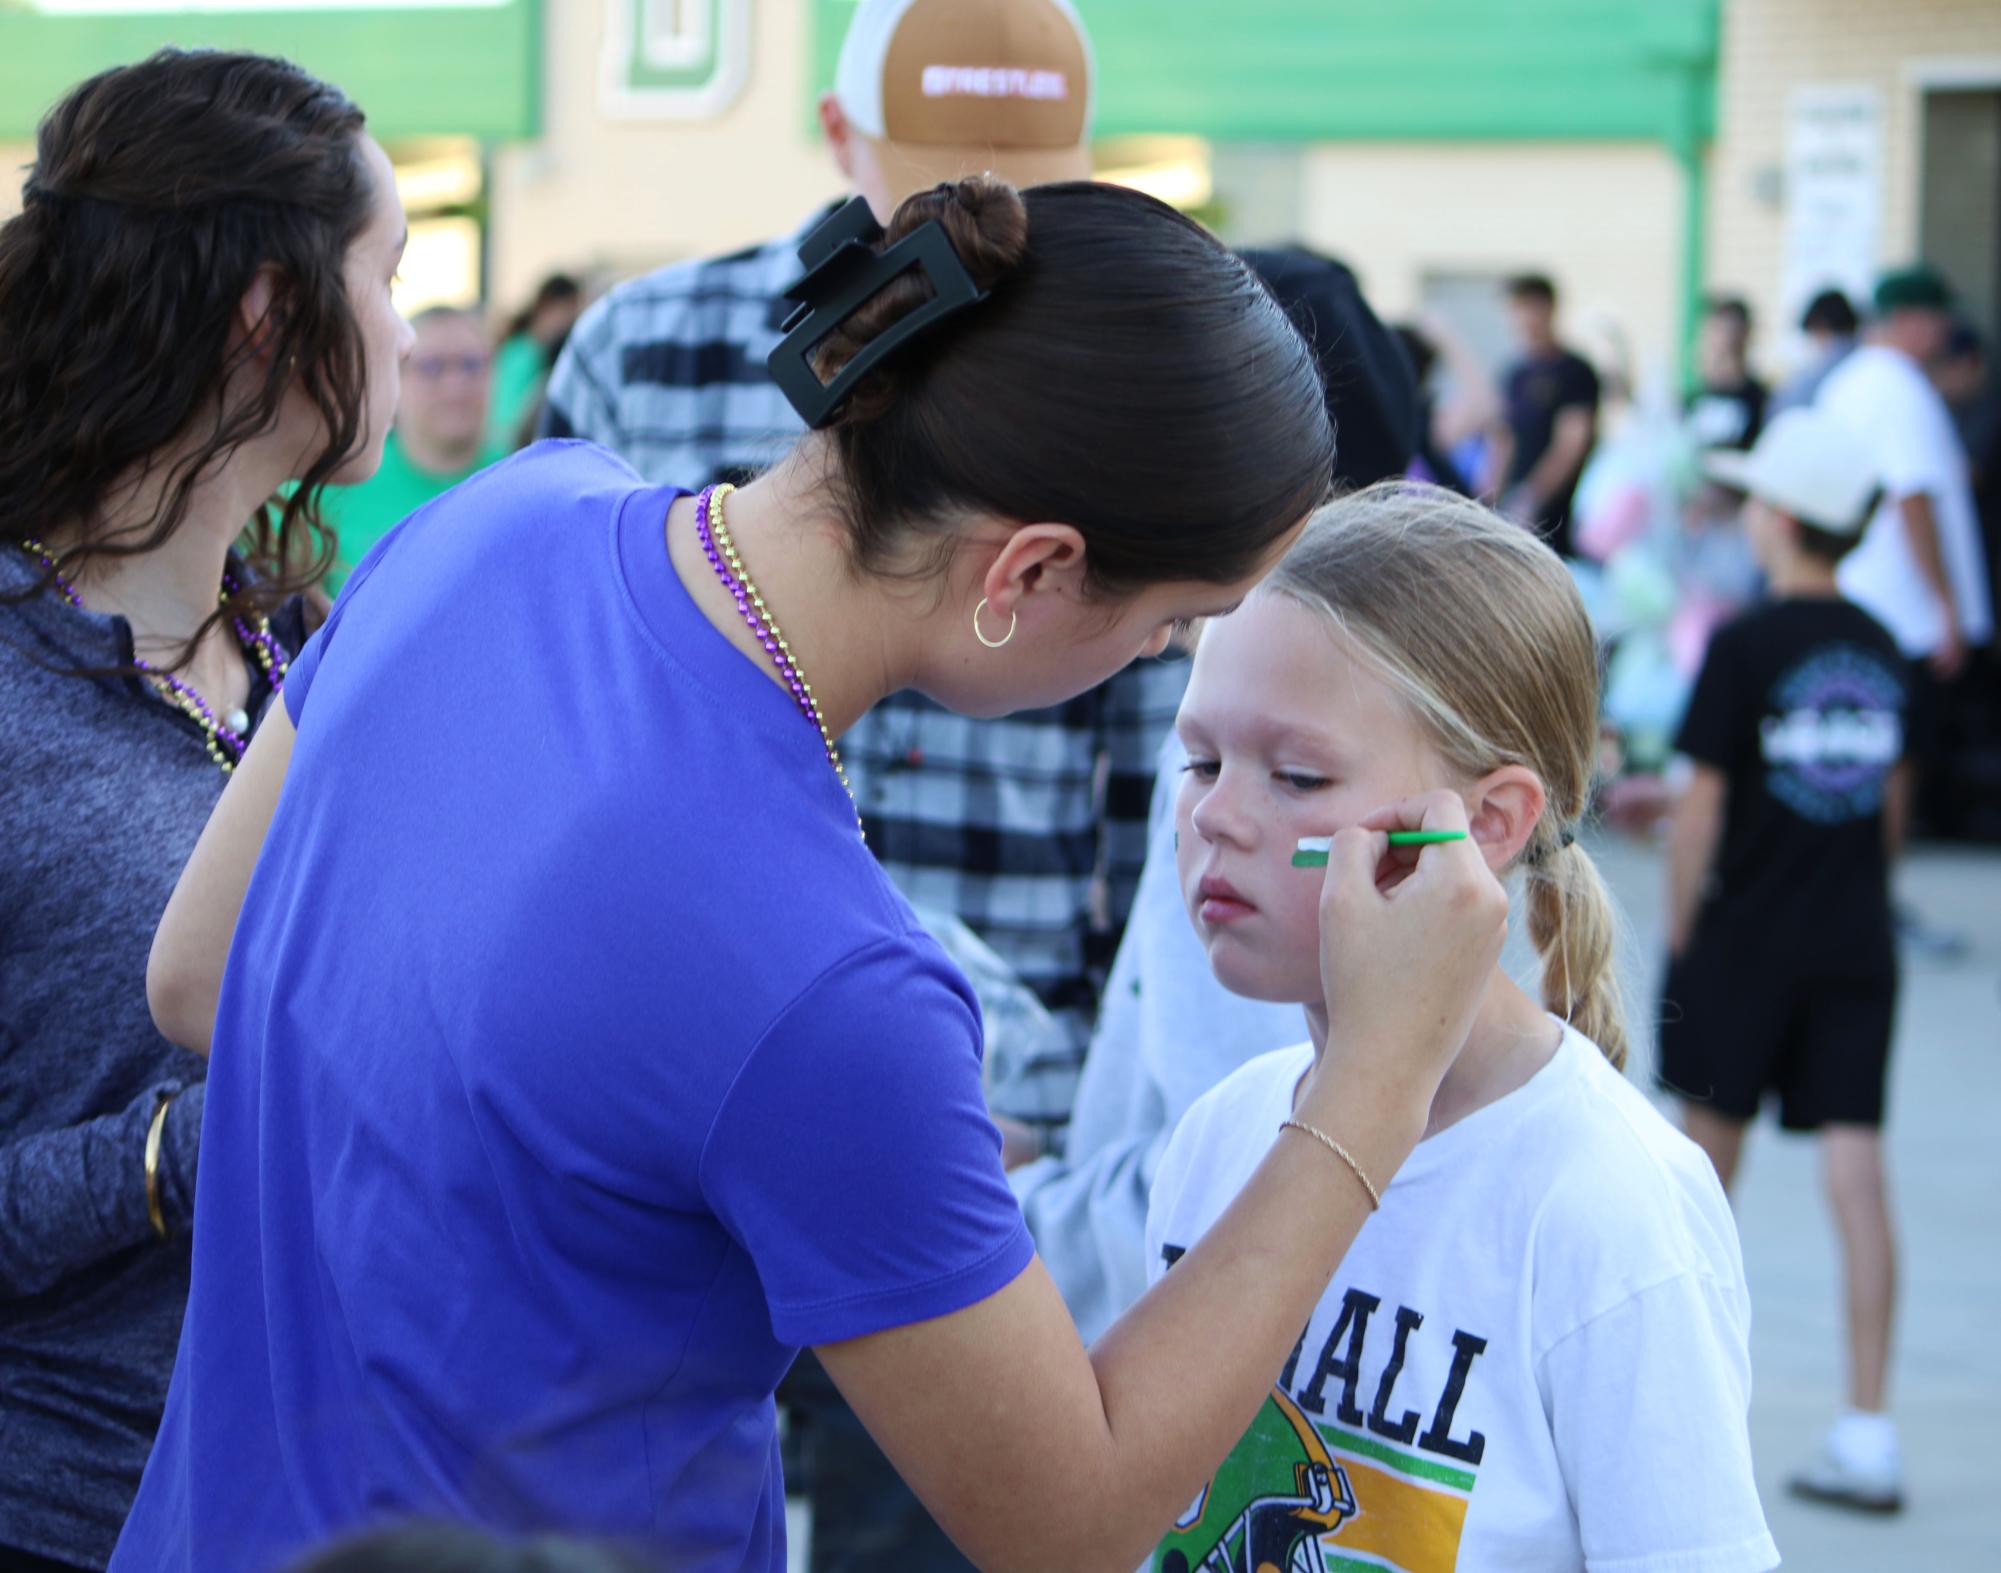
[(1303, 1495), (1293, 1497)]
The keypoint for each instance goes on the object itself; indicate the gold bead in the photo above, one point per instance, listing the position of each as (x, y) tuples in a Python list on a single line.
[(719, 533)]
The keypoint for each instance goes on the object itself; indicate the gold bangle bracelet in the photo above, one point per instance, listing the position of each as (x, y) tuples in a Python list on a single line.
[(1375, 1199), (154, 1132)]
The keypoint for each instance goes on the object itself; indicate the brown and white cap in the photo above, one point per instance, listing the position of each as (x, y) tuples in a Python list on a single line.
[(958, 87)]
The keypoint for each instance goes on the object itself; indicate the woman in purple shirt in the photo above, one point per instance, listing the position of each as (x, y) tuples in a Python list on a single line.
[(574, 1064), (195, 317)]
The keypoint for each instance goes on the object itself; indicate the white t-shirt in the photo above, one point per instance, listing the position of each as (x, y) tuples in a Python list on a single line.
[(1884, 397), (1535, 1356)]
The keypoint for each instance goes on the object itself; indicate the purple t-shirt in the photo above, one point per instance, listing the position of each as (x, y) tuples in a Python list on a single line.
[(575, 1065)]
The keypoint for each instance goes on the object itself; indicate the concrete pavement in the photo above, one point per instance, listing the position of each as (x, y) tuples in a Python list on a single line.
[(1944, 1142)]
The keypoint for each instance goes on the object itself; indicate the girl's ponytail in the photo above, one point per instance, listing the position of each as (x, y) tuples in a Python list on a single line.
[(1572, 923)]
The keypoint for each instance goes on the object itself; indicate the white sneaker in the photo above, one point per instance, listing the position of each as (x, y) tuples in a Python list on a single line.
[(1858, 1466)]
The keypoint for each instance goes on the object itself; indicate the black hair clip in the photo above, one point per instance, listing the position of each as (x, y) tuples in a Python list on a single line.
[(1542, 856), (843, 270)]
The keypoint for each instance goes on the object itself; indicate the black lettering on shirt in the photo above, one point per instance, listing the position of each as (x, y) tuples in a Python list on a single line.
[(1437, 1437), (1408, 1322), (1292, 1360), (1355, 1309)]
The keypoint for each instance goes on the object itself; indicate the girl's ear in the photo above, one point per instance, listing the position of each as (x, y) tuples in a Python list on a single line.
[(1503, 808)]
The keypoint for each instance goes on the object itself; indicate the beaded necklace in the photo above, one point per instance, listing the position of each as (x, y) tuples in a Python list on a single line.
[(714, 534), (224, 737)]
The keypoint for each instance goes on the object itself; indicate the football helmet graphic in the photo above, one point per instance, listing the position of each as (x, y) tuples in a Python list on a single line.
[(1268, 1506)]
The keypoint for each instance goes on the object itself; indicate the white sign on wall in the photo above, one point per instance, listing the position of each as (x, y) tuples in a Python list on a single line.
[(1834, 193), (674, 59)]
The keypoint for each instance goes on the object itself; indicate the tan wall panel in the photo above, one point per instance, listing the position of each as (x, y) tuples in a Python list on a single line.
[(1603, 220), (599, 193)]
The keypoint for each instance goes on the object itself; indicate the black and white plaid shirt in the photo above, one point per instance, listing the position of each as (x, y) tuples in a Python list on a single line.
[(1031, 829)]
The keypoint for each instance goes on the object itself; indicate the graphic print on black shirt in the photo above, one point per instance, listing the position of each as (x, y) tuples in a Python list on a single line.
[(1728, 415), (1801, 706), (1335, 1472), (1833, 734)]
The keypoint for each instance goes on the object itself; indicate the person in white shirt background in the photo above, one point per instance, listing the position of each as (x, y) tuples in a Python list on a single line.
[(1921, 569), (1537, 1353)]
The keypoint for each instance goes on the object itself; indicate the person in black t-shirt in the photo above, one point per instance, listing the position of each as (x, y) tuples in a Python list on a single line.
[(1782, 975), (1967, 380), (1551, 419), (1728, 409), (1371, 388)]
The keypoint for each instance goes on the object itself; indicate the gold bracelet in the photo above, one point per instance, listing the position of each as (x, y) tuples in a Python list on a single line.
[(1375, 1199), (153, 1134)]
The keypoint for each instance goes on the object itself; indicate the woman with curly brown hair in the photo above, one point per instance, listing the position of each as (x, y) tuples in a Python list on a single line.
[(194, 311)]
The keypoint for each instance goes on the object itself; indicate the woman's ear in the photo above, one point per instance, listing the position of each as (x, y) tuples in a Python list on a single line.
[(260, 312), (1503, 809), (1036, 559)]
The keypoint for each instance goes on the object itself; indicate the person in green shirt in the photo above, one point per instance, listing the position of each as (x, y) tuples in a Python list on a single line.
[(527, 350), (440, 436)]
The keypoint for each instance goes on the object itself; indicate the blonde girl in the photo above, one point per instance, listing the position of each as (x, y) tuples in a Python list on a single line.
[(1535, 1353)]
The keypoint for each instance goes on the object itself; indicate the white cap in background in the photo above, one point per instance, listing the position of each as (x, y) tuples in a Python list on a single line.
[(1809, 465)]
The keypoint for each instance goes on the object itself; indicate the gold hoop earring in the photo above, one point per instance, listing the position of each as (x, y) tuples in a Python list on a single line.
[(979, 634)]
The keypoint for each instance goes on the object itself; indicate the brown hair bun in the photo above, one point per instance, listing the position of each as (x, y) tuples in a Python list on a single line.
[(987, 223)]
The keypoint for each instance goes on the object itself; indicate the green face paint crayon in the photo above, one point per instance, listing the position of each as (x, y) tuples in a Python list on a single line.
[(1312, 850)]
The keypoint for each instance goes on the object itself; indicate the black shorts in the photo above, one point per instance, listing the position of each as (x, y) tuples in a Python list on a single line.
[(1731, 1034)]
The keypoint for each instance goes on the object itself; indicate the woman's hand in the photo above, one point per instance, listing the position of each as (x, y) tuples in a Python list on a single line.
[(1409, 939)]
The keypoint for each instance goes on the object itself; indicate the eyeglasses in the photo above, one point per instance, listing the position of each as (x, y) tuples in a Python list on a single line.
[(432, 367)]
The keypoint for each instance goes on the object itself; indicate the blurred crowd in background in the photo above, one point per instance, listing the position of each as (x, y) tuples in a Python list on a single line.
[(1568, 438), (1512, 371)]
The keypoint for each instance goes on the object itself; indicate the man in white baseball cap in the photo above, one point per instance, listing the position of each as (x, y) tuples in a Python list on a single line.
[(1782, 978), (668, 370)]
